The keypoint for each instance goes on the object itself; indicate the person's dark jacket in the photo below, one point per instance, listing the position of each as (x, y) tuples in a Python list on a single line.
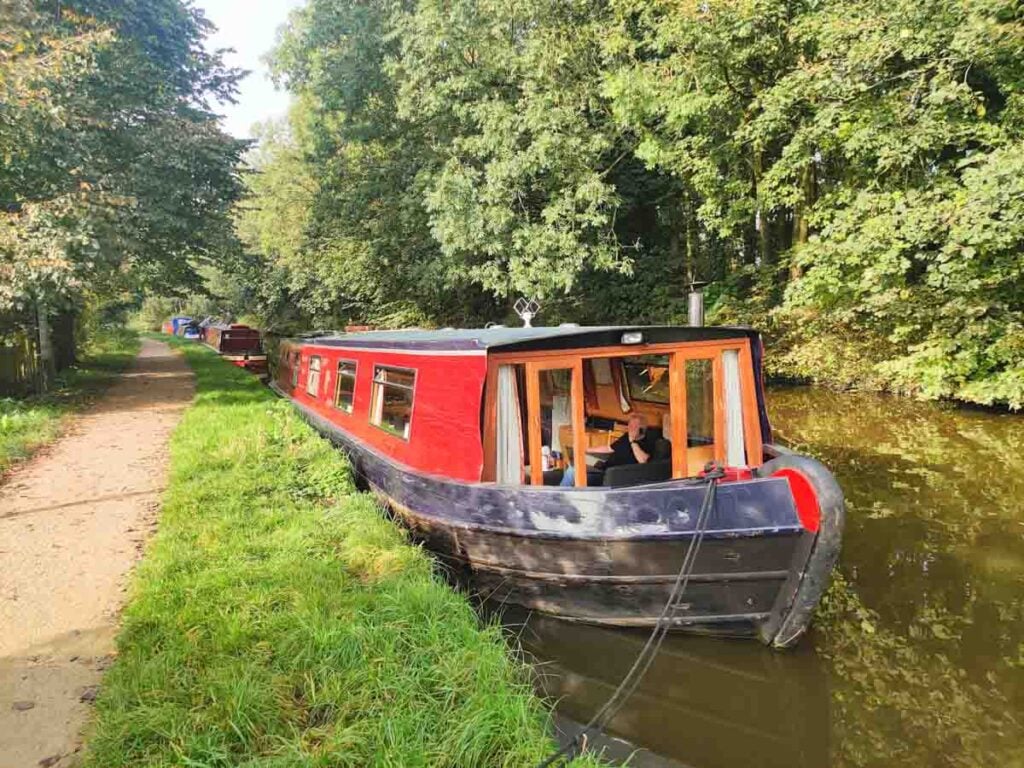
[(623, 451)]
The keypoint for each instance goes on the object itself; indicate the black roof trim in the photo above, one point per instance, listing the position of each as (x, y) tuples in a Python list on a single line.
[(528, 339)]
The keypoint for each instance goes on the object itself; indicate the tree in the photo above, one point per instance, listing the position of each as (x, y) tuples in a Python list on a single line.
[(842, 171), (848, 136), (522, 199), (116, 169)]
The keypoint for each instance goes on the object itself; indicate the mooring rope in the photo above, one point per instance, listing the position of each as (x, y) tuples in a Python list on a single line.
[(650, 650)]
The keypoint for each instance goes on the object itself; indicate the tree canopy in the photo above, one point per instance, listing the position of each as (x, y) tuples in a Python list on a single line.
[(116, 173), (845, 172)]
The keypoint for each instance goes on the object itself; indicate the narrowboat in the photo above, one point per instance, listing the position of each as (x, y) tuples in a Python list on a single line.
[(507, 451), (205, 323), (239, 344), (189, 330), (172, 324)]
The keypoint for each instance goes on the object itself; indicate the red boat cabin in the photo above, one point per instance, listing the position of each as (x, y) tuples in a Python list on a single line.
[(519, 406)]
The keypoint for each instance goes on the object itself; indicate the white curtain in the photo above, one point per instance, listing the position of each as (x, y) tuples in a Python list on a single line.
[(735, 453), (510, 438), (313, 377), (561, 415), (377, 401)]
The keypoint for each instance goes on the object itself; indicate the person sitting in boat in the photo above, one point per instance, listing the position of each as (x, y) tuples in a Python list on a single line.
[(635, 447)]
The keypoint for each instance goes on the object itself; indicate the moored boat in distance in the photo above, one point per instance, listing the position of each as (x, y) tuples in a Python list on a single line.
[(189, 330), (172, 324), (563, 467), (239, 344)]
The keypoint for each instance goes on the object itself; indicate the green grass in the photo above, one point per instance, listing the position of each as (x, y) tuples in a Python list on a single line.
[(27, 424), (278, 619)]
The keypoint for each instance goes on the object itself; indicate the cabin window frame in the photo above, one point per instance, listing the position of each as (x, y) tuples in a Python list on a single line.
[(534, 368), (681, 415), (631, 396), (314, 390), (295, 364), (377, 389), (339, 377), (678, 353)]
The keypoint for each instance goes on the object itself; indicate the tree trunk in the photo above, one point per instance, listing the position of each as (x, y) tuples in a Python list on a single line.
[(62, 332), (690, 215), (673, 250), (801, 227), (47, 362), (764, 240)]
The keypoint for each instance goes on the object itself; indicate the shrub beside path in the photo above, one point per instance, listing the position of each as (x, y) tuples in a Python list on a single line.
[(73, 522)]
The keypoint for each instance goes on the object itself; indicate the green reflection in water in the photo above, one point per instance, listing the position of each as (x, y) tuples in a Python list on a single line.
[(923, 630)]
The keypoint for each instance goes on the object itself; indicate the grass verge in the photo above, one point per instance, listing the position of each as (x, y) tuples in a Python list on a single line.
[(279, 620), (27, 424)]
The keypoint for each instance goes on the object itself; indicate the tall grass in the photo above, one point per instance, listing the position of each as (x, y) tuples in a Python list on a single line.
[(278, 619), (27, 424)]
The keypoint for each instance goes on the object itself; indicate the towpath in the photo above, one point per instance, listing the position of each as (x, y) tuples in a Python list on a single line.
[(73, 522)]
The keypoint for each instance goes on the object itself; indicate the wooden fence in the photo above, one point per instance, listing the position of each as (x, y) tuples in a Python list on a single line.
[(19, 353), (19, 363)]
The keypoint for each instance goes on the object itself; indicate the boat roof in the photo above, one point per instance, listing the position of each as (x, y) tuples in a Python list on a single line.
[(233, 327), (497, 338)]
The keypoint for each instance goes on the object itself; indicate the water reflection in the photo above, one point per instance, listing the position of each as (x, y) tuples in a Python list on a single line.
[(707, 703), (917, 656)]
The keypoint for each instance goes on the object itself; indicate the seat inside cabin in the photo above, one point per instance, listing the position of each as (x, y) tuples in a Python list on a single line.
[(538, 426)]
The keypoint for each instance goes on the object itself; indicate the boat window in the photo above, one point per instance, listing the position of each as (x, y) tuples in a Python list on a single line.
[(345, 395), (700, 402), (647, 378), (700, 414), (391, 401), (313, 377), (554, 414), (295, 369)]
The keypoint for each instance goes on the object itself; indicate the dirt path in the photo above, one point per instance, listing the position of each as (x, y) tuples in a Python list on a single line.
[(72, 524)]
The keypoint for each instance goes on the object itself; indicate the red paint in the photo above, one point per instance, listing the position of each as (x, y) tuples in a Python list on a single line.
[(735, 474), (253, 363), (731, 474), (804, 497), (444, 432)]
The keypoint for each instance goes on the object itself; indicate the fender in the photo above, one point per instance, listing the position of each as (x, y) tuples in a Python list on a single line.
[(822, 509)]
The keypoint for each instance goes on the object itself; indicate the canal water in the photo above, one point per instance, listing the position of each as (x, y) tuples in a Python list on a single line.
[(916, 657)]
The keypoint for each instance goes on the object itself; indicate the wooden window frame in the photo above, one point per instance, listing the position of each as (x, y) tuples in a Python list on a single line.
[(374, 385), (579, 438), (337, 385), (678, 354), (679, 403)]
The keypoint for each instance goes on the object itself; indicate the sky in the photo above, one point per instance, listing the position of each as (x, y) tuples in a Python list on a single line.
[(250, 27)]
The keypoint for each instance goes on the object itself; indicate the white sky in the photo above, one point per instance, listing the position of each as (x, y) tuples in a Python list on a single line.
[(250, 27)]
